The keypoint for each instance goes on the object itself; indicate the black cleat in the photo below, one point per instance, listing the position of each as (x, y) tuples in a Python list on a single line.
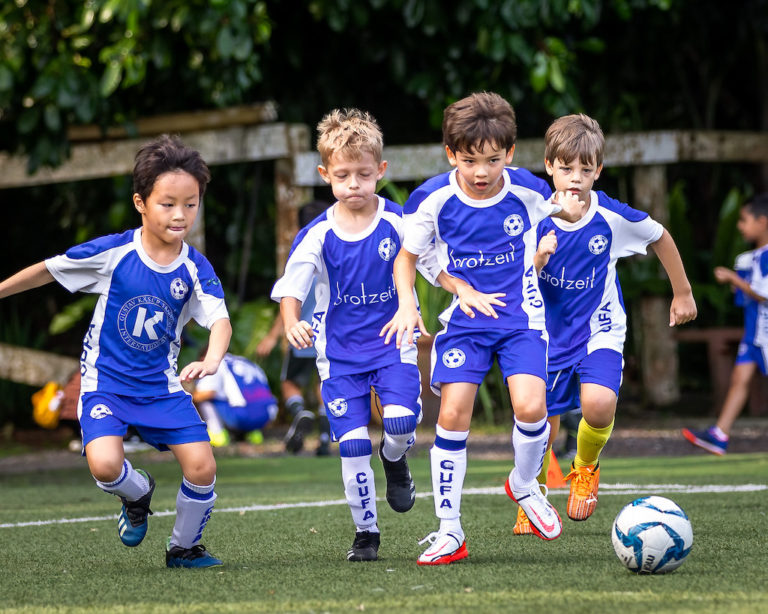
[(132, 521), (365, 547), (300, 427), (401, 491), (196, 557)]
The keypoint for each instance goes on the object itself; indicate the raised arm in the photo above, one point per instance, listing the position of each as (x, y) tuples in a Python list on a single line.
[(683, 308), (33, 276)]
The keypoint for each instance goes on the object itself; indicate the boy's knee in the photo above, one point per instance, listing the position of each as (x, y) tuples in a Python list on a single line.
[(399, 420), (202, 472), (106, 470)]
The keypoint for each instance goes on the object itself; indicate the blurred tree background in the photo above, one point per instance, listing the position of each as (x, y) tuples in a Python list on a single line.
[(634, 65)]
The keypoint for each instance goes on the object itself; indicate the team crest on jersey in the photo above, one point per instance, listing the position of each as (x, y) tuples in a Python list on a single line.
[(338, 407), (179, 288), (514, 225), (387, 249), (454, 358), (597, 244), (100, 411), (145, 322)]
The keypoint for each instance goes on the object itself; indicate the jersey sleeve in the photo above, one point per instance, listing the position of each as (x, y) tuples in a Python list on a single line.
[(206, 304), (304, 262), (633, 230), (418, 225), (428, 265), (759, 281)]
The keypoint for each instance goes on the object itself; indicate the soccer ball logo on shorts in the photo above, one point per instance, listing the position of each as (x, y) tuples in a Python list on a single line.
[(179, 288), (386, 249), (338, 407), (514, 225), (100, 411), (652, 535), (597, 244), (454, 358)]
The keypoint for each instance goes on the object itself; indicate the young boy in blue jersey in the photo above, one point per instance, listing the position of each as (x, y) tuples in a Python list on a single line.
[(237, 397), (150, 283), (750, 283), (585, 315), (349, 250), (482, 218)]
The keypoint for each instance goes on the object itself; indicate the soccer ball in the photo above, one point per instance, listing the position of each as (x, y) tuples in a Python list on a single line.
[(652, 535)]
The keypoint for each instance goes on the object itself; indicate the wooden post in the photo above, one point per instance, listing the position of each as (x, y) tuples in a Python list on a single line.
[(658, 347)]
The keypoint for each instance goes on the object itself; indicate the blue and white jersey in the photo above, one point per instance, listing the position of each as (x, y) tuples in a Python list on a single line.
[(584, 305), (488, 243), (133, 341), (755, 312), (355, 291), (238, 382)]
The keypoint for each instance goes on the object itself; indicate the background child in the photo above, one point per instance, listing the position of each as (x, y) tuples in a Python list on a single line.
[(753, 349), (299, 371), (150, 283), (349, 251), (585, 313), (236, 397), (482, 218)]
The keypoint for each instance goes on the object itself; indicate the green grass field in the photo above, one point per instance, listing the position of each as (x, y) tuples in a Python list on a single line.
[(292, 558)]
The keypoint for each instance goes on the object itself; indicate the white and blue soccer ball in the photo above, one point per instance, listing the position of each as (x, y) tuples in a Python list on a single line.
[(652, 535)]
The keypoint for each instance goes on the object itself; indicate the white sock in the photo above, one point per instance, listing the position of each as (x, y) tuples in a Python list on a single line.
[(130, 484), (529, 441), (194, 506), (355, 449), (448, 460)]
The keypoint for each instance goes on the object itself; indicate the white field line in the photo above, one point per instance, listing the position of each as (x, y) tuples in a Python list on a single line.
[(605, 489)]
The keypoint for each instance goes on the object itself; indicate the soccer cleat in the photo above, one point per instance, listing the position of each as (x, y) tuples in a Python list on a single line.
[(255, 437), (300, 427), (195, 557), (219, 439), (401, 491), (365, 547), (522, 525), (132, 521), (544, 519), (582, 499), (444, 549), (707, 440)]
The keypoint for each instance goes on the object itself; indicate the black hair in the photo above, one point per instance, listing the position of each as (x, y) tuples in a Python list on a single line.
[(163, 155), (758, 205)]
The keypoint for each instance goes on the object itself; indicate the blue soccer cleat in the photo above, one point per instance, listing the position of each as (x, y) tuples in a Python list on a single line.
[(132, 522), (707, 440), (191, 558)]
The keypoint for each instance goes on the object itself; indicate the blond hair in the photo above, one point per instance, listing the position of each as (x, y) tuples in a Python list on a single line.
[(574, 136), (480, 118), (349, 132)]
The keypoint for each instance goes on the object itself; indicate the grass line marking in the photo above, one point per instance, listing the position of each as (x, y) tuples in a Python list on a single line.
[(605, 489)]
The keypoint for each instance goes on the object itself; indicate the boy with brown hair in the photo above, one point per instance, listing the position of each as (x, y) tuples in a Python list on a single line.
[(482, 218)]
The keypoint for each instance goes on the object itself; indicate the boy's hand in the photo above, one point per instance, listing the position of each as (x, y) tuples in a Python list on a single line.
[(265, 346), (682, 310), (572, 209), (724, 275), (470, 299), (198, 369), (300, 335), (547, 247), (402, 326)]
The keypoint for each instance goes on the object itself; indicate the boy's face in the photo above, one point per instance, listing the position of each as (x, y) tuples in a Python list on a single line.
[(752, 227), (573, 176), (170, 210), (480, 172), (353, 182)]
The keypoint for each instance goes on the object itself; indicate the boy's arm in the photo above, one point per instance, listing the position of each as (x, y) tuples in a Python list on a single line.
[(269, 341), (33, 276), (407, 317), (469, 298), (298, 332), (218, 342), (683, 308), (547, 247), (727, 276)]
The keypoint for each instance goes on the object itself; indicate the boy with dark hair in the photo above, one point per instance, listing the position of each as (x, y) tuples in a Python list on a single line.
[(752, 291), (482, 218)]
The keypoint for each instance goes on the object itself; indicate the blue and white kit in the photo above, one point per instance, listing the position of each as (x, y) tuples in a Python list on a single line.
[(586, 319), (132, 344), (490, 244), (753, 266)]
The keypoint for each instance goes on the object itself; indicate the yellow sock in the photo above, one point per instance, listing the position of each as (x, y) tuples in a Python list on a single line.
[(542, 478), (590, 442)]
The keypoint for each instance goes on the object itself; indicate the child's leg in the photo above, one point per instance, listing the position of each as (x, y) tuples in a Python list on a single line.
[(736, 398), (195, 499), (355, 450), (598, 409), (531, 434)]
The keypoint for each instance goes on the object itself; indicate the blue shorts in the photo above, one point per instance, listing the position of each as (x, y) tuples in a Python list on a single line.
[(247, 418), (749, 352), (160, 421), (466, 355), (603, 367), (347, 398)]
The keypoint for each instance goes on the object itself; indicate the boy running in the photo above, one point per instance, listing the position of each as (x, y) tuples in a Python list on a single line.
[(482, 217), (585, 314)]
